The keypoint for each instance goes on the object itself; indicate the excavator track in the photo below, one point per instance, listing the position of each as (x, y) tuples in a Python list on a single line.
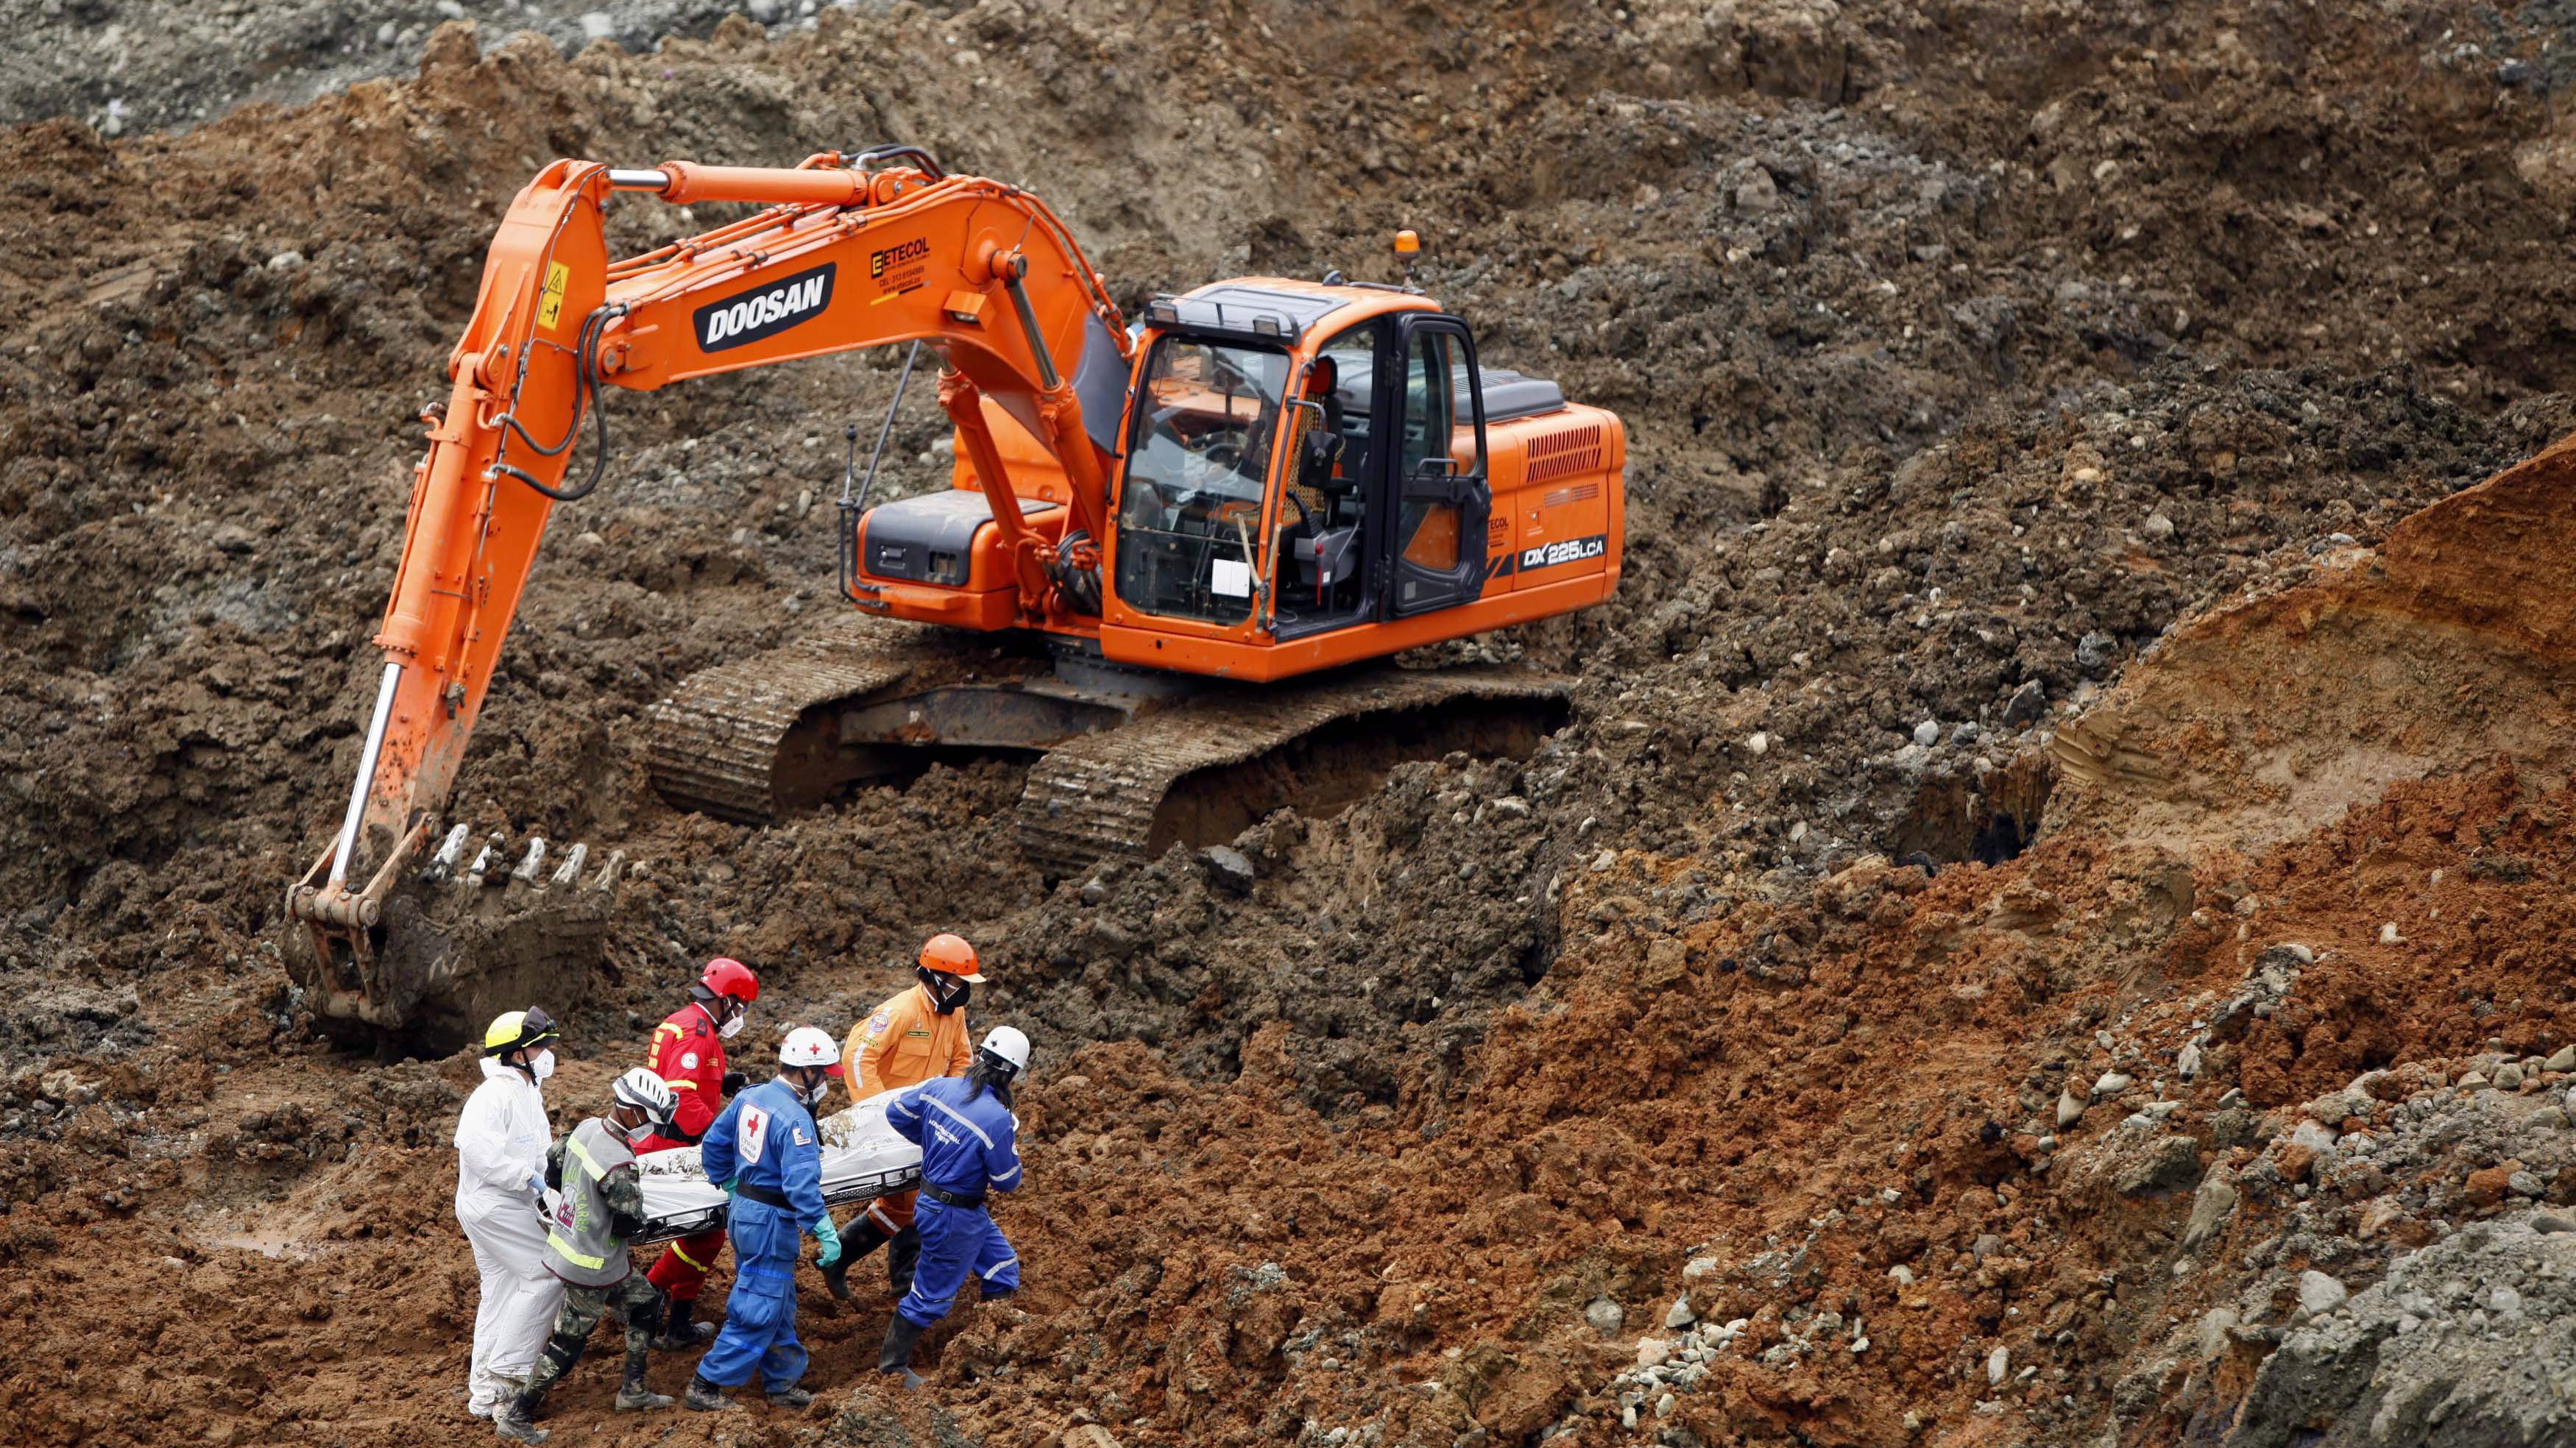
[(715, 742), (1130, 791)]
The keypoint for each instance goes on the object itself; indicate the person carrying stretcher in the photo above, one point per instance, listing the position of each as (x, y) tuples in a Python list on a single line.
[(969, 1149)]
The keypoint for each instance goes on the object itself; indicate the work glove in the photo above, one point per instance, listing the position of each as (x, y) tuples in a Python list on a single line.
[(727, 1185), (829, 1237), (734, 1081)]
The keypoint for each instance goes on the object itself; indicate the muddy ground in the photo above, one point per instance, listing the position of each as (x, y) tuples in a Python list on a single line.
[(2033, 411)]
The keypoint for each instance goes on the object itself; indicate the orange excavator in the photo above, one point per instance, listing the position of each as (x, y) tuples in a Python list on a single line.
[(1172, 569)]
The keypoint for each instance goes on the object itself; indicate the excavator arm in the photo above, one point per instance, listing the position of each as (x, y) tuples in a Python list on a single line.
[(847, 252)]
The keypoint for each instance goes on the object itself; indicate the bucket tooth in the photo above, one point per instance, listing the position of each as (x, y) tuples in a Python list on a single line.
[(609, 872), (569, 872), (484, 860), (532, 862), (451, 853)]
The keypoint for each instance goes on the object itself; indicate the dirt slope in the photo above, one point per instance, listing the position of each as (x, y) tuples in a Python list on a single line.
[(1969, 352)]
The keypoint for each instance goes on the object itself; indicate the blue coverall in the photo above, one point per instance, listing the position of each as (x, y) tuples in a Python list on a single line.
[(970, 1148), (766, 1145)]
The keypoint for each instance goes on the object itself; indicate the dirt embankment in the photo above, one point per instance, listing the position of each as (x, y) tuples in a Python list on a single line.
[(1966, 352)]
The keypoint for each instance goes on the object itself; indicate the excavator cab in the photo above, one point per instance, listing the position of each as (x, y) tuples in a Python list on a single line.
[(1303, 458)]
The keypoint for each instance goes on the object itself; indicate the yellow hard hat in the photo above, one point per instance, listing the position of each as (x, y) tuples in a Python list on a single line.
[(511, 1030)]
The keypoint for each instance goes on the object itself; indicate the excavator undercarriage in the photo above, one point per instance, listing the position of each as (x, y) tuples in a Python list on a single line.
[(1128, 762)]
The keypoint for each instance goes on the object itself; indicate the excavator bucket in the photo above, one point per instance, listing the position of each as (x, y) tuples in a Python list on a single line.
[(430, 951), (1122, 762)]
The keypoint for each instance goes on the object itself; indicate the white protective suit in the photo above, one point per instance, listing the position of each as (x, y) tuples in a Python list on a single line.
[(501, 1143)]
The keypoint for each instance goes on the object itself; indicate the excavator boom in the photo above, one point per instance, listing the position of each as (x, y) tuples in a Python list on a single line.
[(841, 257)]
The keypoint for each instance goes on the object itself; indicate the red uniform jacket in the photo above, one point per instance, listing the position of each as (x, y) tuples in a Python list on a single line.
[(690, 1057)]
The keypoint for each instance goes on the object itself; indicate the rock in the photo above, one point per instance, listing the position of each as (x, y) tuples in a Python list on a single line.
[(2474, 1081), (1901, 1274), (597, 25), (2211, 1206), (2562, 1059), (2187, 1064), (1653, 1352), (1928, 733), (1602, 862), (2112, 1083), (2508, 1077), (1605, 1316), (2170, 1163), (2320, 1294), (2096, 652), (2028, 705), (2388, 934), (1699, 1267), (66, 1086), (2316, 1136), (2525, 1184), (1679, 1314), (1227, 868), (1094, 890), (2503, 1301), (286, 261), (2548, 1225), (2487, 1186), (2215, 1326), (1757, 744), (2157, 527), (1998, 1363), (2069, 1107), (1664, 1406)]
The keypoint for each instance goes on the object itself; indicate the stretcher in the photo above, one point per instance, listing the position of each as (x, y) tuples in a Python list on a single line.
[(863, 1159)]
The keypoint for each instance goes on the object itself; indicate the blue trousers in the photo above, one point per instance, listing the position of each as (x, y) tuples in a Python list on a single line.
[(954, 1242), (760, 1314)]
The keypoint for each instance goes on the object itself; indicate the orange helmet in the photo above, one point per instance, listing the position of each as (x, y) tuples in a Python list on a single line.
[(951, 955)]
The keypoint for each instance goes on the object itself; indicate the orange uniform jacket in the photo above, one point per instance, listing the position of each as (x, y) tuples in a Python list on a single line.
[(690, 1057), (904, 1043)]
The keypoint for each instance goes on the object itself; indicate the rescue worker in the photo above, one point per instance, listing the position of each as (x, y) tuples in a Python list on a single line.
[(602, 1204), (500, 1200), (917, 1036), (765, 1152), (969, 1149), (688, 1054)]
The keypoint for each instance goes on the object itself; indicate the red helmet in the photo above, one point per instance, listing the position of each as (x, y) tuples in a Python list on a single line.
[(951, 955), (726, 976)]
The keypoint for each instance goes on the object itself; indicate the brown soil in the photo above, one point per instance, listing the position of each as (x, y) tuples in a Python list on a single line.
[(2076, 375)]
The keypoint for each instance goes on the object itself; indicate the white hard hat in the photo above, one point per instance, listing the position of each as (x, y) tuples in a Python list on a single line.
[(806, 1046), (647, 1093), (1005, 1043)]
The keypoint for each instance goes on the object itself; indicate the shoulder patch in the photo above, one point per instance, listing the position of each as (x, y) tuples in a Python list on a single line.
[(877, 1023), (801, 1138), (689, 1062)]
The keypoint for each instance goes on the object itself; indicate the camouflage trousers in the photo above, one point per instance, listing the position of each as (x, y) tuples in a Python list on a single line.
[(637, 1303)]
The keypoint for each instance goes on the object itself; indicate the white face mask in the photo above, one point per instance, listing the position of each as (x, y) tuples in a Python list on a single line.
[(543, 1065), (733, 1027)]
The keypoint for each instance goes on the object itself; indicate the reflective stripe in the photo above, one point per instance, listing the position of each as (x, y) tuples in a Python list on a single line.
[(1005, 1179), (578, 1259), (960, 1118), (680, 1085), (998, 1266), (685, 1257), (877, 1210), (573, 1144)]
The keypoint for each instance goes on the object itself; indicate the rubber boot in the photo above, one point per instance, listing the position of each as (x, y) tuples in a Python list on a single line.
[(902, 1258), (865, 1236), (515, 1420), (896, 1357), (678, 1333), (634, 1397), (705, 1396), (791, 1397)]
